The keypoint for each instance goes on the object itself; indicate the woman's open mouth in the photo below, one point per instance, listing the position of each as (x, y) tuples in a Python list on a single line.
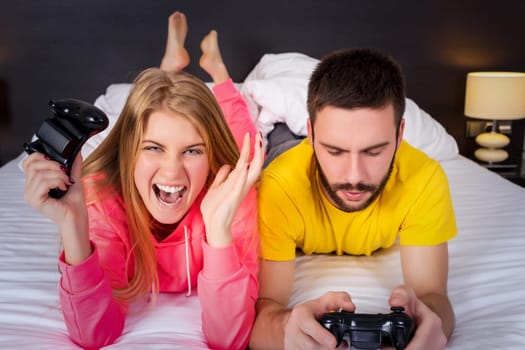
[(169, 195)]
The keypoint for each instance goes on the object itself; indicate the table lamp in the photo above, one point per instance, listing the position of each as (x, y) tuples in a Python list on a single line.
[(494, 96)]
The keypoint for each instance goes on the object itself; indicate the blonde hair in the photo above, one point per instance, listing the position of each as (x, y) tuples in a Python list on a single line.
[(116, 158)]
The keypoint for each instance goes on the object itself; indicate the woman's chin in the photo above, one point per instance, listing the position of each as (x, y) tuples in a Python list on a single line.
[(168, 215)]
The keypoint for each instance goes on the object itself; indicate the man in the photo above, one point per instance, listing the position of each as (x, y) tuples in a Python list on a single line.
[(352, 187)]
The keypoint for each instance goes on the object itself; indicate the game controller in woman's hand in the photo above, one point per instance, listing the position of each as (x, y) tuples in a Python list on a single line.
[(62, 136)]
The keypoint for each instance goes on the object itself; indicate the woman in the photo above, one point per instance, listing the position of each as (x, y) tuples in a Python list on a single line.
[(167, 203)]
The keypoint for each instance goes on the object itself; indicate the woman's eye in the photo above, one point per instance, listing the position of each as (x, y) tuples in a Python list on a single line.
[(151, 148), (194, 151)]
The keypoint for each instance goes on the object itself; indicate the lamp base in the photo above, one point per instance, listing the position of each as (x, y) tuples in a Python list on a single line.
[(492, 139), (491, 155), (492, 143)]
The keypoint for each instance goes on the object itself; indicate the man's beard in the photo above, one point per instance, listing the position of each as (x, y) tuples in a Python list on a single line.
[(331, 189)]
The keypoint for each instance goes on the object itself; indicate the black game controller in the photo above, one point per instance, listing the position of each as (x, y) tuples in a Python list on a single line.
[(62, 136), (370, 331)]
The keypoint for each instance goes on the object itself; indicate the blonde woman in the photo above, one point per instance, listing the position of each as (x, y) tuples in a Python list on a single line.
[(166, 202)]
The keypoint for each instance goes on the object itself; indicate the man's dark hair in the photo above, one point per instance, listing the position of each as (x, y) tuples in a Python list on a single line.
[(357, 78)]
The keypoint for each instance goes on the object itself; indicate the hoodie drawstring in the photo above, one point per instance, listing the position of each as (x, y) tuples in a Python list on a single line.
[(187, 256)]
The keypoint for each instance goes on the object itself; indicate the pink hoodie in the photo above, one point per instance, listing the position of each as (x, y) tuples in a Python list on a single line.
[(184, 260)]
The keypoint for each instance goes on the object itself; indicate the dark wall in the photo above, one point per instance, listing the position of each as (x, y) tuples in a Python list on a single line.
[(57, 49)]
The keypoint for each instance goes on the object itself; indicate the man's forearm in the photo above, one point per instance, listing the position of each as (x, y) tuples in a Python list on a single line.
[(268, 329), (441, 305)]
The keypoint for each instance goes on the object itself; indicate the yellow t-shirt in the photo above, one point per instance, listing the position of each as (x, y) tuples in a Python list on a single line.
[(294, 213)]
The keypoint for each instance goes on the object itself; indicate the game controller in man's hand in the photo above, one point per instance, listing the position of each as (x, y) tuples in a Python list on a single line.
[(62, 136), (370, 331)]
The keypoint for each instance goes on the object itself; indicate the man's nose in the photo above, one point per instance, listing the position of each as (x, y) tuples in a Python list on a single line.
[(354, 169)]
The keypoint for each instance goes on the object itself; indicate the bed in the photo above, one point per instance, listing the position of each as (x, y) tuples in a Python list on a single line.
[(487, 263)]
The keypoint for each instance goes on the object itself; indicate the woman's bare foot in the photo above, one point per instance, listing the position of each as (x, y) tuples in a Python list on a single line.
[(176, 57), (211, 60)]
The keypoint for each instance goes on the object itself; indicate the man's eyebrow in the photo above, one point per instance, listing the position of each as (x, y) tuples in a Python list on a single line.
[(378, 145), (335, 148), (369, 148)]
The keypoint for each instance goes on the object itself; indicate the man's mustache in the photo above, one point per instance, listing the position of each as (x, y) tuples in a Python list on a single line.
[(351, 187)]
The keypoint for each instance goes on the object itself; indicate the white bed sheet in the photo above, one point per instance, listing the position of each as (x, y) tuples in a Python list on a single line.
[(486, 285)]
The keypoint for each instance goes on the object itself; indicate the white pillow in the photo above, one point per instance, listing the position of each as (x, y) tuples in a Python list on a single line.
[(427, 134), (275, 91)]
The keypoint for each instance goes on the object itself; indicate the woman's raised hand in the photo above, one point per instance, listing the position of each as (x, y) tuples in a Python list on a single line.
[(228, 190)]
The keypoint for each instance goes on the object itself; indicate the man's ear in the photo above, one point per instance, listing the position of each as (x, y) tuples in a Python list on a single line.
[(309, 131), (400, 132)]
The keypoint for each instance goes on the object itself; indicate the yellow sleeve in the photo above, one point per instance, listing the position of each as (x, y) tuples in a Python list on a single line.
[(279, 221), (431, 219)]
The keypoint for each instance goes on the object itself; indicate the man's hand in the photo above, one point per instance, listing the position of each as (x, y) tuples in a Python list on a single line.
[(276, 326), (429, 332), (303, 330)]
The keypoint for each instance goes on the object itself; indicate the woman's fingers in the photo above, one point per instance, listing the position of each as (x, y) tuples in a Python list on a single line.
[(257, 162), (221, 176), (246, 172), (42, 175)]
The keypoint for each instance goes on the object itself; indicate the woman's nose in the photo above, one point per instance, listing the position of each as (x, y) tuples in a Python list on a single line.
[(170, 165)]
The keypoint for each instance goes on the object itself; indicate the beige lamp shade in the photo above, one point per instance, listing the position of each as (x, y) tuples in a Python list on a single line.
[(495, 95)]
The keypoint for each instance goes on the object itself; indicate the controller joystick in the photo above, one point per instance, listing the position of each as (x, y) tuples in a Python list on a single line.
[(370, 331), (62, 136)]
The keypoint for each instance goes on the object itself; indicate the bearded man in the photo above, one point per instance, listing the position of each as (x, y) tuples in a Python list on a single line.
[(353, 186)]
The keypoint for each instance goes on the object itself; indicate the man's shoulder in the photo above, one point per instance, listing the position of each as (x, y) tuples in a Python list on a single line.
[(412, 174), (406, 150), (289, 180), (412, 163), (294, 164)]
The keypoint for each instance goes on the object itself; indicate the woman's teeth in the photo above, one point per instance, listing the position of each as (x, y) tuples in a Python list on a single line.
[(169, 194), (169, 189)]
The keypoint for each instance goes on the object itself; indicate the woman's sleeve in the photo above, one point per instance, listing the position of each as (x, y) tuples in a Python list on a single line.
[(228, 286), (235, 111), (92, 316)]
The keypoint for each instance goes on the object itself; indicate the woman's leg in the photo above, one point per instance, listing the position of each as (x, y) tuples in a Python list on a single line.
[(229, 98), (280, 140), (176, 57), (211, 59)]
